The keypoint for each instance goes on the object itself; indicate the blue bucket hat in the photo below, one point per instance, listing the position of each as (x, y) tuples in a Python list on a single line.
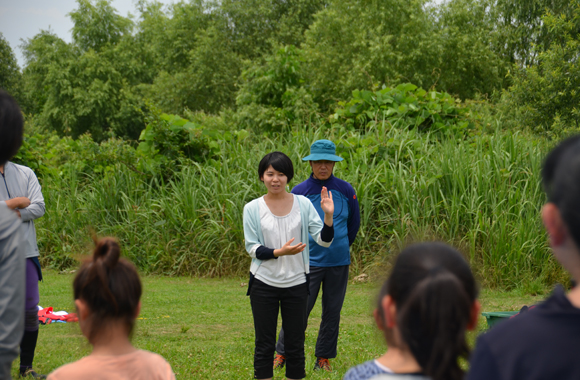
[(322, 150)]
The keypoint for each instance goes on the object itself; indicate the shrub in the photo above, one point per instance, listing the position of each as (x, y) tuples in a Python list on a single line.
[(405, 106)]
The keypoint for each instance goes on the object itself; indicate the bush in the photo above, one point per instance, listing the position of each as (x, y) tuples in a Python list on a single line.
[(405, 106)]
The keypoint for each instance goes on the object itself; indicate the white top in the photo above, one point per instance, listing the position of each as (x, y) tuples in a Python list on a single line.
[(285, 271)]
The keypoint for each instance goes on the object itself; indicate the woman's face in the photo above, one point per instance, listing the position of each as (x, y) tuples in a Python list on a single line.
[(274, 180)]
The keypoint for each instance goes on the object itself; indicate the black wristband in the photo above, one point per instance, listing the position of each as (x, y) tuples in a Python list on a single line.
[(327, 233), (265, 253)]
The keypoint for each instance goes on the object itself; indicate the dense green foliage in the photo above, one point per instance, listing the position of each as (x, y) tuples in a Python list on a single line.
[(405, 106), (178, 216), (150, 127), (10, 77), (272, 65), (545, 97)]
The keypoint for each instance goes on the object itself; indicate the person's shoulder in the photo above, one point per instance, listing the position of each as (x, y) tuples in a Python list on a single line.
[(72, 370), (251, 204), (302, 187), (398, 376), (159, 367), (363, 371), (343, 185), (304, 201), (21, 168), (151, 357)]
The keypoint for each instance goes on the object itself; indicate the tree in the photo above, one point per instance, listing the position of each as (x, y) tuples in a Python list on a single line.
[(97, 25), (169, 37), (208, 83), (257, 26), (272, 95), (521, 30), (467, 64), (10, 76), (545, 97), (87, 86), (43, 51), (360, 44)]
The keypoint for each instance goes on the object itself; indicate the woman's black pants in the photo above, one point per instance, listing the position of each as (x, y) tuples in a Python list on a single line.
[(266, 300)]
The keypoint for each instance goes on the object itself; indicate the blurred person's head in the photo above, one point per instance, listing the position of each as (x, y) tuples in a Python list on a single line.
[(561, 214), (426, 306), (107, 291), (11, 127)]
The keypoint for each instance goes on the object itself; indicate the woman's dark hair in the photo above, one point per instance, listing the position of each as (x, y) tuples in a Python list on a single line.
[(561, 178), (280, 162), (110, 286), (433, 288), (11, 127)]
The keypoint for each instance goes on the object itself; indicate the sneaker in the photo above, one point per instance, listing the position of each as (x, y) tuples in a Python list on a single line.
[(30, 373), (279, 361), (322, 363)]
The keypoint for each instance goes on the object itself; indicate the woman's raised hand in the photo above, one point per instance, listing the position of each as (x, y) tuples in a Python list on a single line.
[(326, 202), (288, 249)]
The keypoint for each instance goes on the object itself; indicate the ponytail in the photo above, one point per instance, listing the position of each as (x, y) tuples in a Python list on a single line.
[(433, 288), (433, 323), (110, 286)]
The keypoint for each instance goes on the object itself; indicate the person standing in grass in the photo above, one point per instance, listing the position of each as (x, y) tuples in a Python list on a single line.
[(276, 229), (20, 191), (543, 342), (12, 264), (329, 266), (424, 309), (107, 292)]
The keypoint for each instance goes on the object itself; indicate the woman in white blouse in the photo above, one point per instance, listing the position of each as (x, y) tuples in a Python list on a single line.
[(276, 228)]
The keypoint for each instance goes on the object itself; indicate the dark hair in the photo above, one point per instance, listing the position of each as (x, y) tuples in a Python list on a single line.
[(433, 289), (561, 178), (280, 162), (110, 286), (11, 127)]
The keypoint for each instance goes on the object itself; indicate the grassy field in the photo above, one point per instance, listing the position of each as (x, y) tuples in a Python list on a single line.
[(204, 328)]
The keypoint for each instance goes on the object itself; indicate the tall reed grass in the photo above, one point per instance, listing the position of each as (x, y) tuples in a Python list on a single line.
[(482, 194)]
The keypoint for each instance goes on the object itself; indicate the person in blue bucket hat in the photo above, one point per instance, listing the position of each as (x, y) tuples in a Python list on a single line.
[(329, 267)]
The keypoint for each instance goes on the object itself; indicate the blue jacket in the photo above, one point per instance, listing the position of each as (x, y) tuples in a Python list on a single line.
[(346, 219)]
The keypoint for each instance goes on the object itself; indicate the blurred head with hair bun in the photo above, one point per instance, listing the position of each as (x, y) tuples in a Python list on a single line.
[(107, 290)]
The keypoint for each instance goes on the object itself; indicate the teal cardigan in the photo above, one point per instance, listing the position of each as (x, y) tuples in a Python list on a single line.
[(311, 224)]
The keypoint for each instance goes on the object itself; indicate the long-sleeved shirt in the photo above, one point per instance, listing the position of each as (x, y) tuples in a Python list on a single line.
[(254, 238), (20, 181), (346, 219), (12, 289)]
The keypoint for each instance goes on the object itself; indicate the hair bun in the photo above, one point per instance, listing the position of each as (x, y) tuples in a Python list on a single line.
[(107, 251)]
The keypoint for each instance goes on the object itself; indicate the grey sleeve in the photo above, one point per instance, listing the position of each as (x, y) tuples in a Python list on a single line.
[(34, 193), (12, 289)]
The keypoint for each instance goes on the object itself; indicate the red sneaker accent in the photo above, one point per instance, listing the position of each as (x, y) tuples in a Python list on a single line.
[(279, 361)]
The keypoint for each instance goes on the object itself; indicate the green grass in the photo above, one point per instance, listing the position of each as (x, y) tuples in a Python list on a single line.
[(204, 327)]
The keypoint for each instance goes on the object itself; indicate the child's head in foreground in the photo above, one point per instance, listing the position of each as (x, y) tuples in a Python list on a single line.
[(107, 290), (426, 305)]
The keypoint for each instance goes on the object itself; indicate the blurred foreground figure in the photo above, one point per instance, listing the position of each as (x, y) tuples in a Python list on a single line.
[(12, 272), (107, 292), (20, 191), (543, 342), (424, 310)]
